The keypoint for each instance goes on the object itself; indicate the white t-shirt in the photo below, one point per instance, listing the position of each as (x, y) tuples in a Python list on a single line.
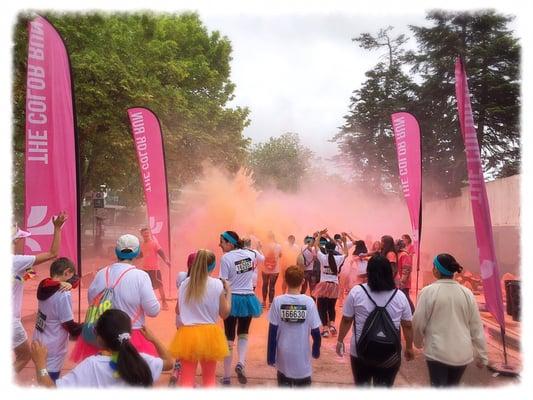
[(204, 311), (358, 305), (326, 275), (179, 280), (20, 265), (295, 316), (309, 255), (236, 266), (260, 258), (95, 371), (133, 294), (271, 250), (52, 312)]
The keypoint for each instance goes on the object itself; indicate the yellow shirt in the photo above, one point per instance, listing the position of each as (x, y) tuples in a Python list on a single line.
[(447, 324)]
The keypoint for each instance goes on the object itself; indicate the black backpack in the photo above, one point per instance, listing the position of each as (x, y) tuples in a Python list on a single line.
[(379, 344)]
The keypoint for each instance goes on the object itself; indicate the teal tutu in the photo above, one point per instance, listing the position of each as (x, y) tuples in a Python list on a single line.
[(245, 305)]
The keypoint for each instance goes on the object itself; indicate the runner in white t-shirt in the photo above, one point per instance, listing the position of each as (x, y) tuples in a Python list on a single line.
[(327, 290), (236, 266), (132, 294), (339, 248), (22, 270), (358, 306), (293, 317), (180, 278), (113, 332), (202, 301), (55, 320), (306, 260)]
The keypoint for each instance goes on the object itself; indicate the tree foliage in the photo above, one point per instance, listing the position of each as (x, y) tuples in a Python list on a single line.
[(281, 162), (366, 137), (169, 63), (492, 56)]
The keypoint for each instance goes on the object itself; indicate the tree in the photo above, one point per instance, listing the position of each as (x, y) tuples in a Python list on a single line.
[(492, 57), (281, 162), (366, 138), (168, 63)]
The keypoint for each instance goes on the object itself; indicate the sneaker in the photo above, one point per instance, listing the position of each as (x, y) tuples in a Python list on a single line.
[(325, 333), (333, 331), (239, 370), (225, 381)]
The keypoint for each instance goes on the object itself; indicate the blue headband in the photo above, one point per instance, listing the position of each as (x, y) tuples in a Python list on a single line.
[(211, 266), (440, 268), (229, 238), (127, 256)]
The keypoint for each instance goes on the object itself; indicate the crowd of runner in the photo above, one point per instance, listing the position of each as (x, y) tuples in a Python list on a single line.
[(115, 348)]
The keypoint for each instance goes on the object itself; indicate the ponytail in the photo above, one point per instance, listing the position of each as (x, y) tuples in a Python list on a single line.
[(448, 262), (331, 261), (114, 328), (131, 367), (330, 248)]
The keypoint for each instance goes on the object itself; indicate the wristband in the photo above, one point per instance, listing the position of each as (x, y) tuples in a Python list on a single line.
[(43, 372)]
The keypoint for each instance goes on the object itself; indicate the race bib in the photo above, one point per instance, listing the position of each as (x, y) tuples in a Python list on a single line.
[(40, 324), (243, 266), (293, 313)]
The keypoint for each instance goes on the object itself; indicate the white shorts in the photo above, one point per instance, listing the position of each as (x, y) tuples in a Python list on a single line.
[(19, 333)]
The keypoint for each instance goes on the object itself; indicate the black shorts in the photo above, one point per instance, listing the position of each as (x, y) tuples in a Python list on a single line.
[(155, 277)]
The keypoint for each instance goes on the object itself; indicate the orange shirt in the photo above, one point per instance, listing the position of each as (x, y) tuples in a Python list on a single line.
[(150, 256)]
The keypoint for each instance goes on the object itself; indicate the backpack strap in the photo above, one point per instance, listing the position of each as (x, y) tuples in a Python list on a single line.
[(136, 316), (371, 299), (393, 294), (119, 278), (305, 261)]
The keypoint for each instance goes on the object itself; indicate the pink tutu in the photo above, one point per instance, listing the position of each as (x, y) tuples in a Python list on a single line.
[(82, 349), (329, 290)]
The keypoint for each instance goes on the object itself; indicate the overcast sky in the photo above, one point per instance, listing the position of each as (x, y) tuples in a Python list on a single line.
[(296, 72)]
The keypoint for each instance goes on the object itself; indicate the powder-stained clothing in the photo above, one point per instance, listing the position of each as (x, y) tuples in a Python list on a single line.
[(447, 324), (133, 294), (237, 267), (150, 254), (95, 371)]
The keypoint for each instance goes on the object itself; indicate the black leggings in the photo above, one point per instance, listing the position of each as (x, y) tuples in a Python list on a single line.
[(326, 309), (364, 374), (444, 375), (242, 324), (269, 285)]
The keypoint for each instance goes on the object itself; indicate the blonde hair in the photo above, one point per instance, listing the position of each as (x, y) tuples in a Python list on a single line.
[(198, 275)]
